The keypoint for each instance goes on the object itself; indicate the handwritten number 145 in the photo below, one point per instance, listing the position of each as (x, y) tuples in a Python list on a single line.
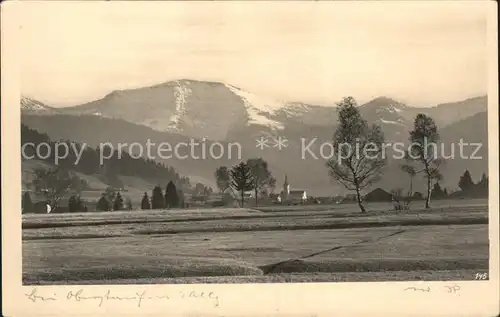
[(481, 276)]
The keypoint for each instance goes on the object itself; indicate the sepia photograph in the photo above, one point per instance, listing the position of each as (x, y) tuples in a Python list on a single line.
[(253, 143)]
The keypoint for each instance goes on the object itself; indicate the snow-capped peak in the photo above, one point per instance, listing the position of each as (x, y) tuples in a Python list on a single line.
[(259, 108), (259, 103), (29, 104)]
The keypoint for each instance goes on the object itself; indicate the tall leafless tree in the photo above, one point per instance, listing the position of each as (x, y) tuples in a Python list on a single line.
[(424, 150), (260, 176), (358, 158)]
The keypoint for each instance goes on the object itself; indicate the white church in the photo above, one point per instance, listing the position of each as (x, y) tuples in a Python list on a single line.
[(288, 196)]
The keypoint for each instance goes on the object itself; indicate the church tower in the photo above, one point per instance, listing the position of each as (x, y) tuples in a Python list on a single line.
[(286, 188)]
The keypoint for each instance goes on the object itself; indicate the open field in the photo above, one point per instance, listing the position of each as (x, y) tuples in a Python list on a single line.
[(381, 206), (240, 245), (33, 221)]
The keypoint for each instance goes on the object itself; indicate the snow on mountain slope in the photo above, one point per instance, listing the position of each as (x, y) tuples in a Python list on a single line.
[(32, 105), (260, 103), (258, 109), (181, 94), (295, 109), (392, 108), (398, 121), (386, 111)]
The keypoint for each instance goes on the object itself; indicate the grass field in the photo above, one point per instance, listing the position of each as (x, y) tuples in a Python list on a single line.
[(334, 243)]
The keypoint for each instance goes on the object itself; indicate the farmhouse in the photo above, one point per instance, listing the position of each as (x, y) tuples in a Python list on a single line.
[(378, 195)]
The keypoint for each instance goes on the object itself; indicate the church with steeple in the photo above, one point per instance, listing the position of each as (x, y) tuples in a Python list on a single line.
[(288, 196)]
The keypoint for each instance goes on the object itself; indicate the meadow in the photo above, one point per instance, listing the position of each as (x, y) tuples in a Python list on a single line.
[(314, 243)]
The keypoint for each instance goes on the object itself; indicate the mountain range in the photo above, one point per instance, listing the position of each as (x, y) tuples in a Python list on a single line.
[(181, 110)]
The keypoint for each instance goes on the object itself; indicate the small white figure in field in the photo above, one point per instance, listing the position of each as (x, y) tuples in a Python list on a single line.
[(49, 209)]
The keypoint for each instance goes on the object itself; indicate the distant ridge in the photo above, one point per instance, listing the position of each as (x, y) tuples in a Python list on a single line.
[(218, 111)]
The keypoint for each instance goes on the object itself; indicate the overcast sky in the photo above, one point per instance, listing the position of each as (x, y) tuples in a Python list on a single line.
[(422, 53)]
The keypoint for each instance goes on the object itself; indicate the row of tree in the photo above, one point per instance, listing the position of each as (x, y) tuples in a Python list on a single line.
[(251, 175), (470, 189), (467, 188), (112, 200), (56, 183), (173, 198)]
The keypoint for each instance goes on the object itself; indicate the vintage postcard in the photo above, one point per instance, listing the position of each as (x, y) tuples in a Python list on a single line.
[(239, 158)]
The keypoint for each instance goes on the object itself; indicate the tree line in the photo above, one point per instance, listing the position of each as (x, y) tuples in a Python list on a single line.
[(118, 164), (251, 175), (173, 198), (112, 200), (470, 189), (467, 187)]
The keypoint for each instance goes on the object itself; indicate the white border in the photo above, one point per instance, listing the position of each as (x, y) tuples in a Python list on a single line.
[(476, 298)]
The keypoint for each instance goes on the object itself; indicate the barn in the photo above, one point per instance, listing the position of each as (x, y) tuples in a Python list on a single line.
[(378, 195)]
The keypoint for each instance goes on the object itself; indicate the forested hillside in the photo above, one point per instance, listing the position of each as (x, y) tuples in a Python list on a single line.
[(89, 162)]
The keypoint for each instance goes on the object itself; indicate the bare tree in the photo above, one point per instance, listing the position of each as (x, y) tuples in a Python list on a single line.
[(358, 158), (260, 176), (412, 172), (271, 184), (56, 183), (423, 150), (223, 179)]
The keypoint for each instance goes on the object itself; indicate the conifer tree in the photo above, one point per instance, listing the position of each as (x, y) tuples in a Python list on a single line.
[(157, 199), (437, 191), (103, 204), (145, 205), (241, 179), (465, 183), (171, 196)]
